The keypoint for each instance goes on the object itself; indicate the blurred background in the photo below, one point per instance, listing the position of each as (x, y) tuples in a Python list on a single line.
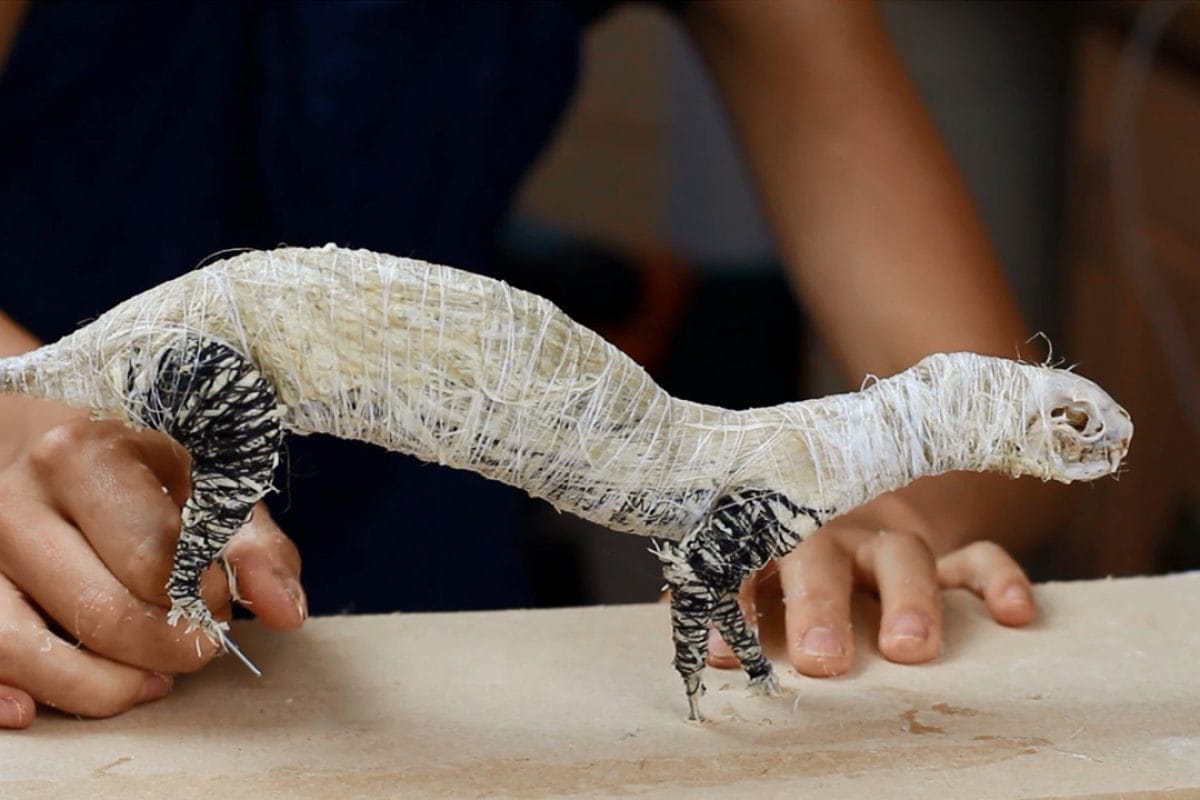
[(1078, 129), (1077, 126)]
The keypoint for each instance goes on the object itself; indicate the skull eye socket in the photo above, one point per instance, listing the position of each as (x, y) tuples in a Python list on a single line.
[(1077, 418)]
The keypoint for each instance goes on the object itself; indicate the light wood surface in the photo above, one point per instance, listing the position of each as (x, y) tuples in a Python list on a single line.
[(1100, 699)]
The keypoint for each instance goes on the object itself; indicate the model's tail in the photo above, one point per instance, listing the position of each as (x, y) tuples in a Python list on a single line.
[(55, 372), (20, 374)]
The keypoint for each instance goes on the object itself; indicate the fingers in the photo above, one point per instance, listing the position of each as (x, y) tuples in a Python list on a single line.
[(266, 569), (113, 491), (167, 459), (56, 568), (817, 581), (901, 566), (989, 571), (89, 520), (52, 671), (818, 578), (106, 489)]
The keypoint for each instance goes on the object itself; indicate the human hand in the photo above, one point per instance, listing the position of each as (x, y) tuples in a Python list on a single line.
[(89, 518), (816, 580)]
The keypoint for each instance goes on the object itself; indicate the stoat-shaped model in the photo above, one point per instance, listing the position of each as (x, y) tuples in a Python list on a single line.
[(466, 371)]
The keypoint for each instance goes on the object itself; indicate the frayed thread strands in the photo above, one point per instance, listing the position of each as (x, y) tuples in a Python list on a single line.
[(466, 371)]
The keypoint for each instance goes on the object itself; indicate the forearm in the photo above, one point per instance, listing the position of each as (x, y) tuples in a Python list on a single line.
[(11, 13), (873, 222), (869, 213)]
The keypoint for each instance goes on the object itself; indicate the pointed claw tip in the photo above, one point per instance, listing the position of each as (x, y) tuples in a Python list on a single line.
[(232, 646)]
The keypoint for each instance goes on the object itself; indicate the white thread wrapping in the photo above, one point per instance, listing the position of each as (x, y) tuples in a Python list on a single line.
[(466, 371)]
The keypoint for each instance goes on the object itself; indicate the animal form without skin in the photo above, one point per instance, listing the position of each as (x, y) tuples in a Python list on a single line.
[(465, 371)]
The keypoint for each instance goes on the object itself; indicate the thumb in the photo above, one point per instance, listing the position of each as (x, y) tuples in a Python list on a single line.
[(264, 568)]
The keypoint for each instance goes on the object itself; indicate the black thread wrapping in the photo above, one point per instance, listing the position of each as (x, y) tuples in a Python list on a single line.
[(743, 531), (214, 402)]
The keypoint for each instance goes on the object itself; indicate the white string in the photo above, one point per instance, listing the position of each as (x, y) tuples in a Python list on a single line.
[(466, 371)]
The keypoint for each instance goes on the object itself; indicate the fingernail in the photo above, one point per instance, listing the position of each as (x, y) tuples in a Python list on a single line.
[(155, 686), (717, 646), (12, 714), (909, 626), (1015, 594), (821, 641), (299, 600)]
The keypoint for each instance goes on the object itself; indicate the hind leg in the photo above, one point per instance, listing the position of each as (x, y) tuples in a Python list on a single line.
[(692, 604), (212, 514), (216, 403), (704, 570)]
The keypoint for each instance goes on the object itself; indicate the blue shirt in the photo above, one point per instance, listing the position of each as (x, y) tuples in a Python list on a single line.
[(138, 138)]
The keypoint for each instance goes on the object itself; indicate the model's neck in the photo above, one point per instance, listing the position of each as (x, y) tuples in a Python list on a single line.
[(947, 413)]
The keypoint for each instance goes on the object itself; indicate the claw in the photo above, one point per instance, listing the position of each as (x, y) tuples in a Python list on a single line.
[(232, 646), (765, 685)]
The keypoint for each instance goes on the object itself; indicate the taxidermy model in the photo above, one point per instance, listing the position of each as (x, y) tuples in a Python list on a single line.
[(465, 371)]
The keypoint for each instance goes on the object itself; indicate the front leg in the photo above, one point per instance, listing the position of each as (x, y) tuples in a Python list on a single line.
[(704, 571), (216, 403), (695, 606)]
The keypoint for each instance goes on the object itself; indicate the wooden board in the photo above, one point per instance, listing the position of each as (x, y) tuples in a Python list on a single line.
[(1100, 699)]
